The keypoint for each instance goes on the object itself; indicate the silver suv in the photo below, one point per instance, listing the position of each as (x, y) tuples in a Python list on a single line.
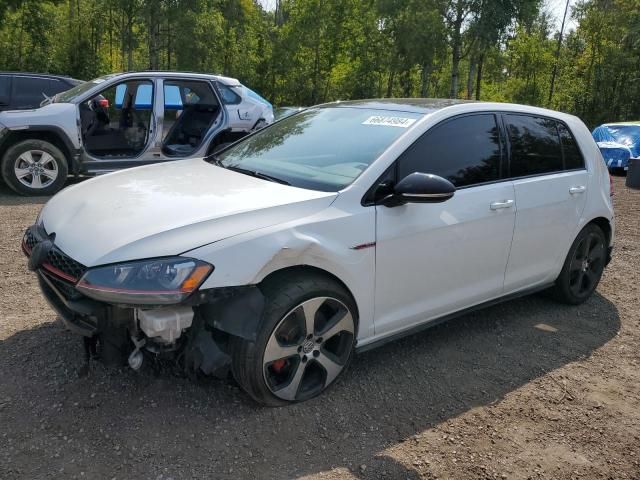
[(124, 120)]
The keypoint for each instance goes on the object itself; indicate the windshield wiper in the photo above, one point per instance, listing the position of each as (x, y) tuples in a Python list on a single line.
[(218, 163), (254, 173)]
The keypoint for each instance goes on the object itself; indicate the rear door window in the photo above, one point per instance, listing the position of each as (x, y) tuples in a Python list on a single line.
[(56, 86), (535, 145), (465, 150)]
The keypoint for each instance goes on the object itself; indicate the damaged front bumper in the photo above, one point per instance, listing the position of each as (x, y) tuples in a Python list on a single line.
[(195, 333)]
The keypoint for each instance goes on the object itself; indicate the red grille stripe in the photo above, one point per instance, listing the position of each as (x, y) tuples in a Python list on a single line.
[(59, 273)]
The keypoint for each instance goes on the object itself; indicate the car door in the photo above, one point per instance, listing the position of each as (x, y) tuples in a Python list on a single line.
[(434, 259), (550, 182)]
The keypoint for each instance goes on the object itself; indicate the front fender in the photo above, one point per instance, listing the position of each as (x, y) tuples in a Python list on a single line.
[(325, 241)]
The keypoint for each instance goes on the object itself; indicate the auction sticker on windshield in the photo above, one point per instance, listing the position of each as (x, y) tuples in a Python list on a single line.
[(389, 121)]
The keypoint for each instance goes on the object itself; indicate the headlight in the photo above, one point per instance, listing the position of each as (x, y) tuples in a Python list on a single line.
[(150, 282)]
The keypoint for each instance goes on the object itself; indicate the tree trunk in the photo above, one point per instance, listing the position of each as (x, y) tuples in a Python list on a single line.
[(471, 77), (479, 75), (72, 47), (316, 62), (390, 84), (110, 38), (154, 62), (557, 56), (123, 40), (168, 43), (20, 37), (456, 50), (425, 73), (130, 44), (405, 82)]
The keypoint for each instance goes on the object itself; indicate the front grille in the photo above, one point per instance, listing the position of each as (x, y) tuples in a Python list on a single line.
[(64, 263), (30, 240), (57, 263)]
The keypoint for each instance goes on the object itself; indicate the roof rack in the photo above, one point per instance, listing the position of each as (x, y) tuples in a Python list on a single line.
[(35, 74)]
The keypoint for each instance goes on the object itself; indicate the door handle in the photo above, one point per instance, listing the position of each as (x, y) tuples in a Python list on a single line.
[(578, 189), (503, 204)]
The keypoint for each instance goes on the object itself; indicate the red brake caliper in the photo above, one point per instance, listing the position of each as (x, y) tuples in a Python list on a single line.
[(278, 365)]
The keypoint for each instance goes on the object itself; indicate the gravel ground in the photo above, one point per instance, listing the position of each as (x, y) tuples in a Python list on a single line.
[(526, 389)]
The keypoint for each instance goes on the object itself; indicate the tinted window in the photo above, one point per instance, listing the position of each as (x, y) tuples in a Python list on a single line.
[(464, 150), (535, 145), (5, 88), (55, 86), (28, 92), (572, 156)]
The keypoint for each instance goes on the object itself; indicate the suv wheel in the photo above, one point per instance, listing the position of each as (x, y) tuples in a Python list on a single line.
[(34, 167), (583, 266), (304, 344)]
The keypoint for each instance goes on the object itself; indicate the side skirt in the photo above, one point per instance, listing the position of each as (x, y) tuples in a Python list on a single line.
[(436, 321)]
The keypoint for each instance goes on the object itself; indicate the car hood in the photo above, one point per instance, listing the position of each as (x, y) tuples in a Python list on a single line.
[(46, 115), (168, 209)]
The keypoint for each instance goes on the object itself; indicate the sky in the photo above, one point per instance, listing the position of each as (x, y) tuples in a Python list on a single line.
[(556, 7)]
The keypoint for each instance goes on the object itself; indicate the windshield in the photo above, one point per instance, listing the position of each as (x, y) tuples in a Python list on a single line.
[(71, 94), (320, 148)]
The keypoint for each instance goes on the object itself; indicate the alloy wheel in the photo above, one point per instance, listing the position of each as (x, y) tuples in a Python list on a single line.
[(587, 265), (36, 169), (308, 349)]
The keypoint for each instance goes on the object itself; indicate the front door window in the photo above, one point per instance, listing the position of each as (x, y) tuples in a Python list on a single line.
[(117, 122)]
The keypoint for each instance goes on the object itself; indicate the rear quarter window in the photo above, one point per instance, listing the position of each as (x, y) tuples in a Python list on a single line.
[(572, 156), (229, 97)]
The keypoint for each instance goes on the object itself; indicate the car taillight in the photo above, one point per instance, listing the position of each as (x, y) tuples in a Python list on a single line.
[(104, 103), (610, 186)]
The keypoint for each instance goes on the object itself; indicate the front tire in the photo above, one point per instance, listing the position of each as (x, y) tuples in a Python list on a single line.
[(305, 341), (34, 167), (583, 267)]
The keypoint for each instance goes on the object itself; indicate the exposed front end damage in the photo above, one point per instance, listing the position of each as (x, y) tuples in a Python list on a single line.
[(193, 334)]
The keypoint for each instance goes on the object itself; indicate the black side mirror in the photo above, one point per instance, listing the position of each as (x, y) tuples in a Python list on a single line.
[(420, 188)]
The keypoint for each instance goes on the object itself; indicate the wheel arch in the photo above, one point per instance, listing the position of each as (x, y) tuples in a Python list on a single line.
[(312, 270), (53, 135), (605, 225)]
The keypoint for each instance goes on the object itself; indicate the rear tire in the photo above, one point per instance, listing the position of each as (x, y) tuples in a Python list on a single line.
[(287, 363), (583, 267), (34, 167)]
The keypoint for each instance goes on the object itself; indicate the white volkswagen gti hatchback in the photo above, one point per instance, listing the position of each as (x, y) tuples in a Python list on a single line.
[(333, 230)]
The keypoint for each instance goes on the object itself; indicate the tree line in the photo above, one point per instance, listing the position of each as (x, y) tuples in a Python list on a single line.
[(303, 52)]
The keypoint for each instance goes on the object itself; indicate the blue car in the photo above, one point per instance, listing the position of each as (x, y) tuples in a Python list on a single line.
[(618, 142)]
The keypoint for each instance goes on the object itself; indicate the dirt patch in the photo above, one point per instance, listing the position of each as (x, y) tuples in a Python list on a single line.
[(526, 389)]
